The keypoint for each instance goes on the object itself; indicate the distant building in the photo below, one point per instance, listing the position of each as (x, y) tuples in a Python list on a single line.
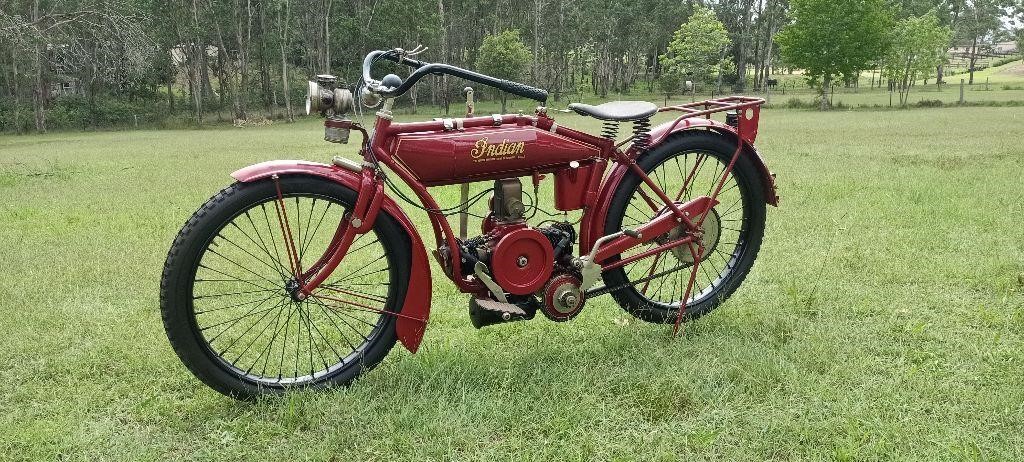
[(179, 55), (62, 80), (1004, 48), (997, 49)]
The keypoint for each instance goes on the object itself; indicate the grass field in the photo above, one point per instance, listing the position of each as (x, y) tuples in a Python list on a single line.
[(997, 85), (884, 318)]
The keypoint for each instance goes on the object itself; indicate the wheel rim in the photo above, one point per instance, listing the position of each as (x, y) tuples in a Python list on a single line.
[(242, 302), (663, 277)]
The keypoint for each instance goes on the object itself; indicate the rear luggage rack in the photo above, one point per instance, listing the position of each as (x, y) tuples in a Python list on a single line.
[(747, 110)]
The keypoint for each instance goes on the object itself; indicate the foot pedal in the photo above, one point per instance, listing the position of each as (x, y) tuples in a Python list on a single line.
[(484, 312)]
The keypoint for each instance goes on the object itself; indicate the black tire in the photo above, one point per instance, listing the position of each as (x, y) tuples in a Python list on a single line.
[(748, 186), (206, 235)]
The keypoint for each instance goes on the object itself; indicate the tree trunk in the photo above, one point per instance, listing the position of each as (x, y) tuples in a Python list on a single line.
[(741, 47), (443, 84), (243, 38), (15, 91), (170, 92), (537, 6), (826, 84), (204, 68), (223, 52), (325, 66), (195, 62), (39, 93), (39, 87), (268, 93), (769, 43), (757, 46), (284, 23), (974, 59), (222, 79), (718, 85)]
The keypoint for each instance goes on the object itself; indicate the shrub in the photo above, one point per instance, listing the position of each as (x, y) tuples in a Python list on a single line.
[(929, 103), (1006, 60), (797, 103)]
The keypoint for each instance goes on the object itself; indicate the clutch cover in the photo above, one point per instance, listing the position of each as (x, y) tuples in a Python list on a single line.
[(522, 261)]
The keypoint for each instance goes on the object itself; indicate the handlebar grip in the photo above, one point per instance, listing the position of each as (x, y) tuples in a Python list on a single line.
[(525, 91)]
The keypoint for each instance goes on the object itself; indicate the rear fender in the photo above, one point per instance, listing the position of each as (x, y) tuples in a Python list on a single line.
[(593, 224), (416, 309)]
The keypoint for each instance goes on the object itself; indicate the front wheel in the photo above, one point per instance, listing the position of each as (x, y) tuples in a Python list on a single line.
[(226, 292), (687, 167)]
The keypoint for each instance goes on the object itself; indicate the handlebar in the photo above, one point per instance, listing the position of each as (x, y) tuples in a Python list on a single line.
[(424, 68)]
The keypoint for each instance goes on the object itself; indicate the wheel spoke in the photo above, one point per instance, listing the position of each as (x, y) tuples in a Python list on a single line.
[(250, 321), (246, 331), (247, 252), (262, 244), (233, 278), (658, 278), (311, 235), (233, 263)]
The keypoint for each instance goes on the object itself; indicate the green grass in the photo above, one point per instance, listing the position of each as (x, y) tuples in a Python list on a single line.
[(884, 318), (1006, 85)]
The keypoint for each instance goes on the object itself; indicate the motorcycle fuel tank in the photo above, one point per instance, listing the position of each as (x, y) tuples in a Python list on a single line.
[(477, 154)]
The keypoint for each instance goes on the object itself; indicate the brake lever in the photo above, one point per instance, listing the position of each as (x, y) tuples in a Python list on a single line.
[(403, 54), (419, 49)]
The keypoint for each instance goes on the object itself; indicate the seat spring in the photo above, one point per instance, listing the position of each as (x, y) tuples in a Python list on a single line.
[(641, 134), (610, 130)]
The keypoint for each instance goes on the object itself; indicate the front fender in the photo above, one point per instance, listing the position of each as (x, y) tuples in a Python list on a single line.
[(593, 224), (416, 309)]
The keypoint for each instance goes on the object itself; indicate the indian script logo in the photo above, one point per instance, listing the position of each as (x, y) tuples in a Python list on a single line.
[(484, 151)]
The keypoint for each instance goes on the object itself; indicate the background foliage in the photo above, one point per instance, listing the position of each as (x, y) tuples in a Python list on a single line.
[(195, 61)]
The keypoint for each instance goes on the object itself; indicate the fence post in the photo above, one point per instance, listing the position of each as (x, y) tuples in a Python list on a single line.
[(986, 83), (961, 91)]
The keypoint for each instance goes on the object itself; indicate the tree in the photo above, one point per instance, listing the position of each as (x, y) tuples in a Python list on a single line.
[(834, 38), (284, 27), (917, 45), (504, 56), (670, 83), (697, 46), (980, 19), (1020, 43), (104, 44)]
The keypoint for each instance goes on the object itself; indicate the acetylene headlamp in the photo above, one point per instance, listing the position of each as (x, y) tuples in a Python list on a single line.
[(325, 99)]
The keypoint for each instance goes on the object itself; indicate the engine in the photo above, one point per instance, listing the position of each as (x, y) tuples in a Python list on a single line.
[(521, 258), (533, 265)]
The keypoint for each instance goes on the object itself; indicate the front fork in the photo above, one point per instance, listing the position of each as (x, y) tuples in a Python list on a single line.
[(354, 223)]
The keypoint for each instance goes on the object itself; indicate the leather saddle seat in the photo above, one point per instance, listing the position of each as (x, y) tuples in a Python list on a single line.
[(617, 111)]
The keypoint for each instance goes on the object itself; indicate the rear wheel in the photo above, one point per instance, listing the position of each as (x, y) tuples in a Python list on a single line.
[(687, 167), (226, 292)]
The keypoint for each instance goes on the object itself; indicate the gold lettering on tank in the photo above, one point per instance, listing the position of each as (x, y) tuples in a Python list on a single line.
[(484, 151)]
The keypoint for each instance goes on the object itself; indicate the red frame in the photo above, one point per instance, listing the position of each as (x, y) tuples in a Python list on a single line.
[(597, 188)]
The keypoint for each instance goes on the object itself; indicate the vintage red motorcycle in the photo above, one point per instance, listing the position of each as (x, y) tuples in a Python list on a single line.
[(305, 274)]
